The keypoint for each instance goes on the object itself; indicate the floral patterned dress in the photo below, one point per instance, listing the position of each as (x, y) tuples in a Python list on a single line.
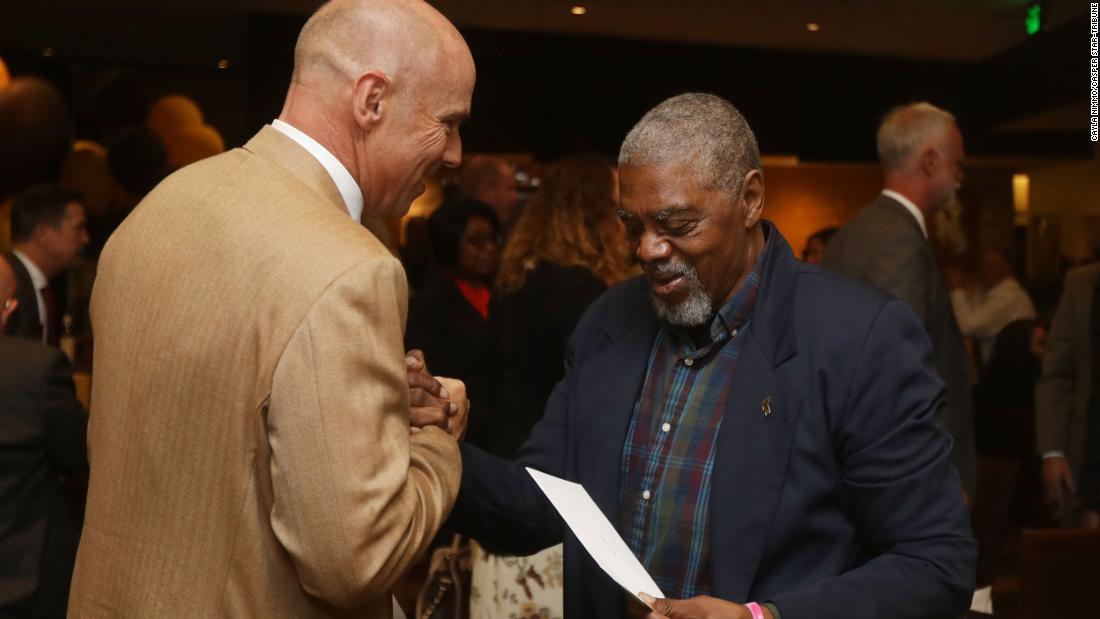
[(517, 587)]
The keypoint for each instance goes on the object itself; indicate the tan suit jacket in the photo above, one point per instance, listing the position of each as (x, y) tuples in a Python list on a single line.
[(1062, 395), (249, 441)]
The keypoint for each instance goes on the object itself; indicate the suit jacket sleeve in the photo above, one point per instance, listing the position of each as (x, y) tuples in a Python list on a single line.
[(1057, 386), (898, 268), (902, 490), (357, 494), (66, 421), (500, 505)]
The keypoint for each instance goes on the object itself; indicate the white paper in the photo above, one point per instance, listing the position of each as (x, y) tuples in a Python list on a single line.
[(983, 601), (596, 534), (397, 612)]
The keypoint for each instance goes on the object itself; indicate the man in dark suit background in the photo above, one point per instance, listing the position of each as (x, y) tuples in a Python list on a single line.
[(761, 432), (48, 231), (886, 245), (43, 430)]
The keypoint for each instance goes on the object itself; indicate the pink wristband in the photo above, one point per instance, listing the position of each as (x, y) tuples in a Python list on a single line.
[(754, 608)]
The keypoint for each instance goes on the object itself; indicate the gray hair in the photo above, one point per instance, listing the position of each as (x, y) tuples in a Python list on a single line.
[(702, 129), (908, 128)]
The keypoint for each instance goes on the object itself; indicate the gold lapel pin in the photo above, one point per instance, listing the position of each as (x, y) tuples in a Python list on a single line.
[(766, 406)]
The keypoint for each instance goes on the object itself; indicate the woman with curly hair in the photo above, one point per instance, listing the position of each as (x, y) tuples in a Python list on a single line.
[(565, 250)]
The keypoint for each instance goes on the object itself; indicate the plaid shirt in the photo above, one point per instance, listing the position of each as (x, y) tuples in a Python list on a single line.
[(668, 457)]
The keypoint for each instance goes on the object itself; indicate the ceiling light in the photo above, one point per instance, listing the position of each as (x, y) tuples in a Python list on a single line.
[(223, 64), (813, 26), (47, 52), (578, 10)]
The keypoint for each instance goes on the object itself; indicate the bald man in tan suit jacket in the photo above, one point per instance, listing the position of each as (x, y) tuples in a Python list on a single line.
[(250, 443)]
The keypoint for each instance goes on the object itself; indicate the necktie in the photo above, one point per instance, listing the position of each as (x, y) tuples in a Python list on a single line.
[(49, 327)]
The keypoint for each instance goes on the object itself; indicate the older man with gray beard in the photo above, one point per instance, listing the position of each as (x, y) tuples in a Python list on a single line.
[(886, 245), (762, 433)]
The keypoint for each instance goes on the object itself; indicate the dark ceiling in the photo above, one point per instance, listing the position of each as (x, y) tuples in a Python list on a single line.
[(548, 86)]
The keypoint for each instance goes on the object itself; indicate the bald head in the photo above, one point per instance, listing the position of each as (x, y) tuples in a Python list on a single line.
[(7, 291), (491, 180), (346, 38), (383, 85)]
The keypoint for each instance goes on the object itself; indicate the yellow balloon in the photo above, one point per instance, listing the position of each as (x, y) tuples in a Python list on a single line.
[(192, 144), (90, 145), (172, 114), (5, 76)]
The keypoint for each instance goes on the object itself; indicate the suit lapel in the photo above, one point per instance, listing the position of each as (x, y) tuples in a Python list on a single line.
[(616, 380), (607, 406), (758, 427), (750, 467)]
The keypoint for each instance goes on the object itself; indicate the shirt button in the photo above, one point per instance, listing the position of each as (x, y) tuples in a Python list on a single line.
[(645, 494), (666, 427), (689, 362), (733, 332)]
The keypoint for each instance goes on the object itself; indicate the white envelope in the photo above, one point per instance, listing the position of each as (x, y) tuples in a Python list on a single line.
[(596, 534)]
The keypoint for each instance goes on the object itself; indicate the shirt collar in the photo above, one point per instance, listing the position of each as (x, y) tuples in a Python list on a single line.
[(38, 278), (909, 206), (345, 183)]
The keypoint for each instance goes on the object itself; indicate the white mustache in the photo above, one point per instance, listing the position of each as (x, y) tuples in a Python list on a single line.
[(668, 268)]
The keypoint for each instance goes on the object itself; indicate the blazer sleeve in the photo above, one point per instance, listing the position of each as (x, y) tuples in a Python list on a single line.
[(899, 267), (902, 491), (358, 495), (65, 420), (500, 505), (1057, 387)]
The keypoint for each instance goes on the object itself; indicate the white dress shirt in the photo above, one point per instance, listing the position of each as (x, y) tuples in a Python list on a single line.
[(345, 183), (909, 206), (39, 281)]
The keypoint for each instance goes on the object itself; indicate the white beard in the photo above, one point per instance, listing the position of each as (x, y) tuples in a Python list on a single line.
[(695, 310)]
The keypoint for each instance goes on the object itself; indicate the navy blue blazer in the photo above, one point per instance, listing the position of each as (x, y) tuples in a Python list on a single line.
[(841, 503)]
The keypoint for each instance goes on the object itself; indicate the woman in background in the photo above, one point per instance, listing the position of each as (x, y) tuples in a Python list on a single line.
[(565, 250), (448, 319)]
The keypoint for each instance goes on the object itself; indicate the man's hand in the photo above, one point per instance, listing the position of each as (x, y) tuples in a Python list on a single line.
[(456, 423), (429, 400), (1056, 477), (699, 607)]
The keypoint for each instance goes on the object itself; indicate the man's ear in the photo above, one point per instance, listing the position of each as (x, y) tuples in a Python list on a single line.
[(752, 197), (40, 232), (369, 99), (928, 161)]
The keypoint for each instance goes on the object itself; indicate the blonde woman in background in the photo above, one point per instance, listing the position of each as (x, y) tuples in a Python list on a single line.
[(566, 249)]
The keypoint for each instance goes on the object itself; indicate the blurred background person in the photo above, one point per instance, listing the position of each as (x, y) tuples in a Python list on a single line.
[(48, 233), (985, 307), (567, 247), (448, 320), (35, 134), (491, 181), (43, 432), (886, 245), (1067, 402), (814, 251)]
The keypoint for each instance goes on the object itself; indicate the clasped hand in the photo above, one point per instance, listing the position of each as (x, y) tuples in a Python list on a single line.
[(435, 400)]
